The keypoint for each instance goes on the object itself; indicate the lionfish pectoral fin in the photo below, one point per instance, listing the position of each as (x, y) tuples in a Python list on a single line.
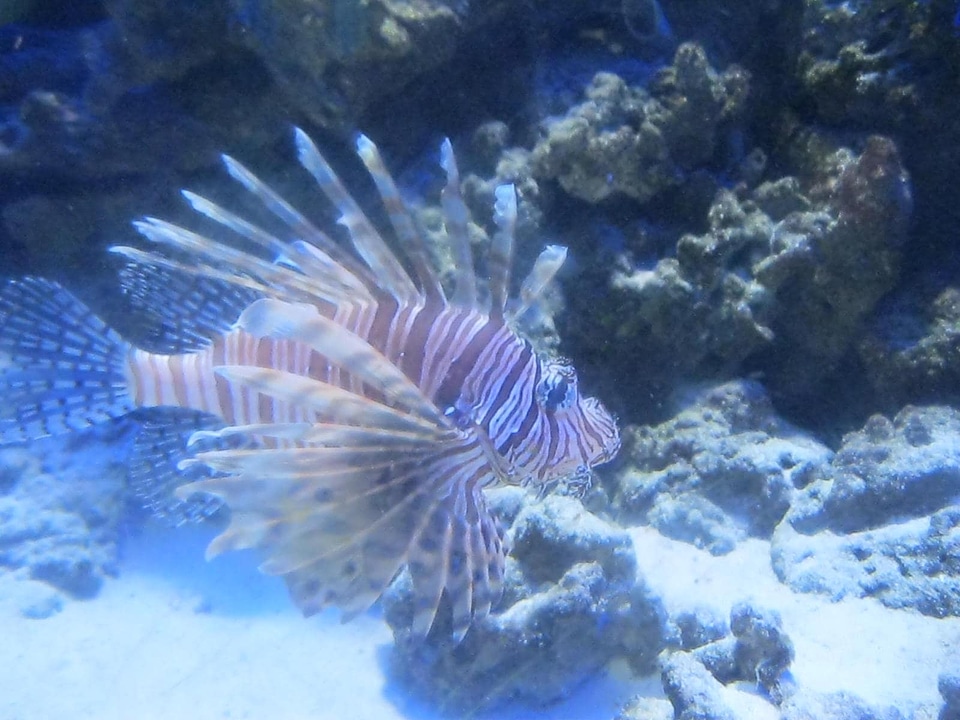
[(338, 522), (458, 551)]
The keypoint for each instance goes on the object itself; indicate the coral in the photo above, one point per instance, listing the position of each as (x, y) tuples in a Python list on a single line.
[(783, 279), (625, 141)]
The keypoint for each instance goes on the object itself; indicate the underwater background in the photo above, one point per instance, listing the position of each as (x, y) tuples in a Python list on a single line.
[(761, 205)]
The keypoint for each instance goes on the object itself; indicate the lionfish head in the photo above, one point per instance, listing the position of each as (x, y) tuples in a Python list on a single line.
[(579, 432)]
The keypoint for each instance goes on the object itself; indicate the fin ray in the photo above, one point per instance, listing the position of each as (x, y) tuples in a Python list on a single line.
[(274, 318), (330, 402), (409, 236), (455, 218), (61, 367), (501, 247), (366, 240)]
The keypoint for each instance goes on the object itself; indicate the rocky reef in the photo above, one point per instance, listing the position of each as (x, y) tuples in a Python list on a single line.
[(61, 510)]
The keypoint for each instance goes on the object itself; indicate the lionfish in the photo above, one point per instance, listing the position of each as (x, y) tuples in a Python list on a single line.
[(375, 406)]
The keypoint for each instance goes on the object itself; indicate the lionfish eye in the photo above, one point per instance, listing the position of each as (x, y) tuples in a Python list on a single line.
[(557, 388)]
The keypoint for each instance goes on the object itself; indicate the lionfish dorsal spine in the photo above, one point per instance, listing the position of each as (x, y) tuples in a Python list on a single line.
[(545, 268), (455, 218), (366, 240), (314, 258), (501, 247), (299, 225), (225, 263), (408, 235)]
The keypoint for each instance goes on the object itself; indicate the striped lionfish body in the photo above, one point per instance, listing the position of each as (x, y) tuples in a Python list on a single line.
[(378, 405)]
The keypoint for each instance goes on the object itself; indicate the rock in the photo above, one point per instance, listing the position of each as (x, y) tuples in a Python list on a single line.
[(949, 686), (808, 705), (59, 516), (571, 604), (911, 352), (845, 64), (30, 598), (692, 690), (788, 293), (757, 651), (881, 518), (337, 60), (646, 708), (726, 466)]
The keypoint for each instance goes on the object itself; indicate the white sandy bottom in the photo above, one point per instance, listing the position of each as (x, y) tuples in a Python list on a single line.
[(886, 657), (175, 637)]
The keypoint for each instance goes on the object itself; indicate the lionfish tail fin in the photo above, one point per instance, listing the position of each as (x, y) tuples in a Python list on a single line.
[(61, 367)]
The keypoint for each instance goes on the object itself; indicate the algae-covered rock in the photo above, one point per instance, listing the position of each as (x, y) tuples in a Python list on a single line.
[(785, 279), (911, 352), (335, 59), (693, 691), (852, 54)]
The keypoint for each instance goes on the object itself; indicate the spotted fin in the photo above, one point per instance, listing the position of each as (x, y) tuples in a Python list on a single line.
[(61, 367), (186, 311), (369, 486), (158, 449), (458, 551), (340, 522)]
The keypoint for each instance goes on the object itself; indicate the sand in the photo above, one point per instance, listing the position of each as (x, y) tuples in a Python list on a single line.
[(175, 637)]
